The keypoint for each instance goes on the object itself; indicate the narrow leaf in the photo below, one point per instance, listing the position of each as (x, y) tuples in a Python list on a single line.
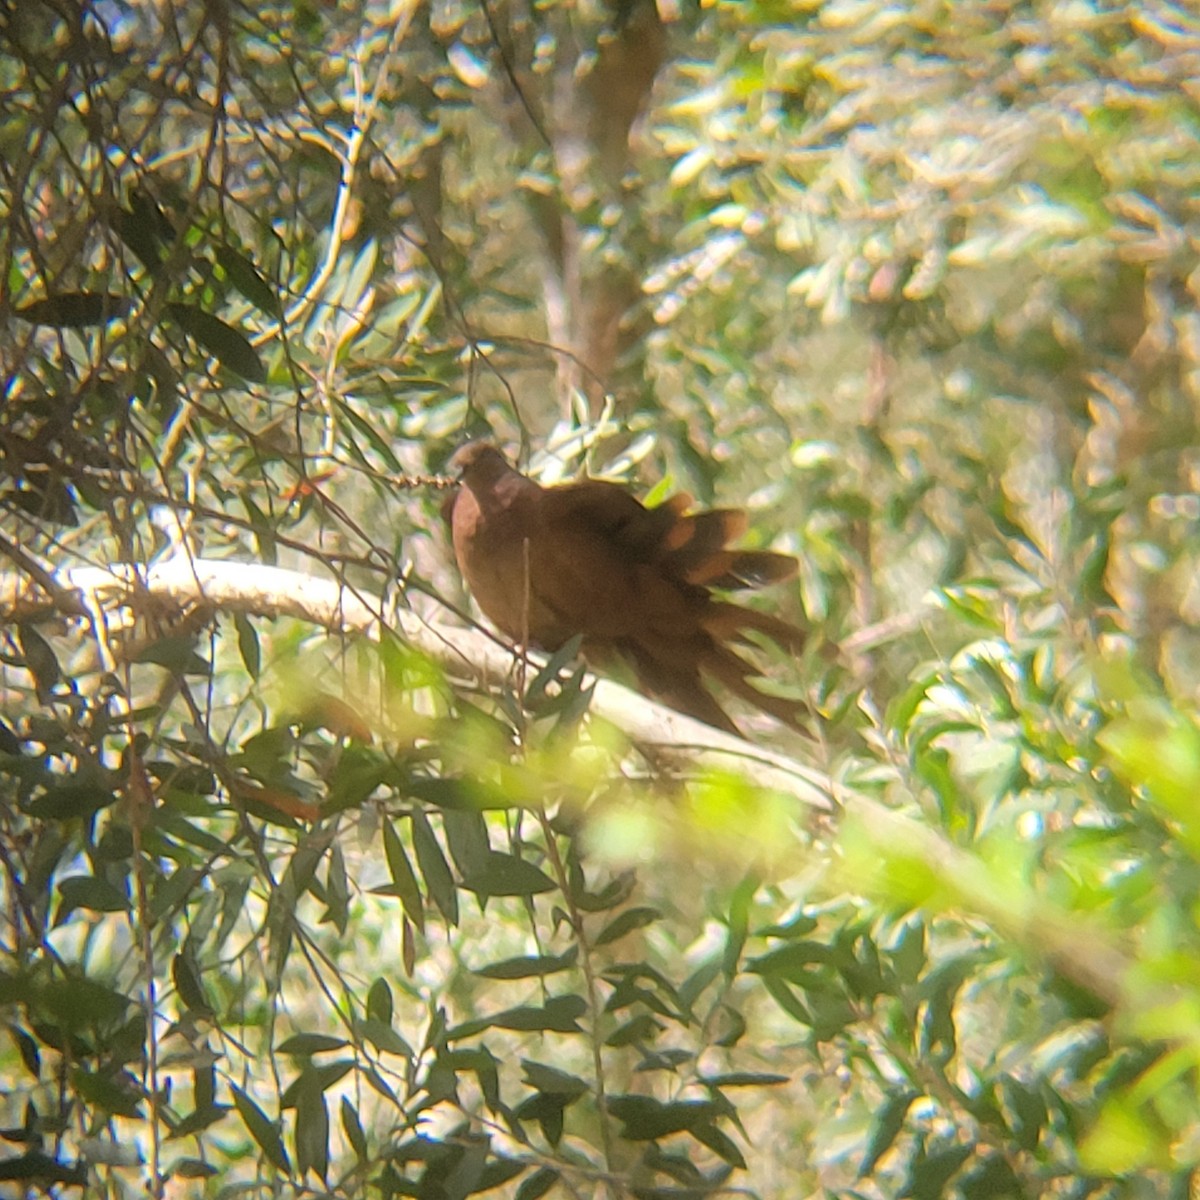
[(529, 966), (229, 347), (262, 1130), (627, 922), (403, 878), (434, 868), (75, 310), (244, 276)]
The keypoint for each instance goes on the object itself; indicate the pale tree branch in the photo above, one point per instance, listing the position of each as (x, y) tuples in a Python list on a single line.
[(670, 738)]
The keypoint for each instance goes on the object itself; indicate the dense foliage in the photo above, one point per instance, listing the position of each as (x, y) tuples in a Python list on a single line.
[(294, 908)]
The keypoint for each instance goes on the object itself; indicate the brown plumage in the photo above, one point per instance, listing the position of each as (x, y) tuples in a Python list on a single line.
[(587, 558)]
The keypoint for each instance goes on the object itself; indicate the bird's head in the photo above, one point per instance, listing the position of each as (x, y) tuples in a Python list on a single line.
[(478, 462)]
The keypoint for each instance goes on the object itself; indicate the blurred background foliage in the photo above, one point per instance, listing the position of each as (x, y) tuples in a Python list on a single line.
[(291, 914)]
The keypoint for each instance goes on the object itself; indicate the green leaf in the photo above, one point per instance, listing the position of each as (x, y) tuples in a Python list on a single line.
[(75, 798), (114, 1092), (177, 654), (229, 347), (991, 1179), (379, 1001), (187, 983), (908, 954), (928, 1177), (534, 1186), (90, 892), (352, 1128), (560, 1015), (646, 1119), (383, 1037), (264, 1132), (614, 893), (719, 1143), (244, 276), (303, 1045), (508, 875), (1027, 1109), (40, 659), (28, 1049), (627, 922), (248, 647), (378, 442), (434, 868), (75, 310), (529, 966), (312, 1126), (791, 1004), (467, 839), (739, 923), (553, 1081), (884, 1128), (642, 1028), (745, 1079), (404, 880), (144, 228), (793, 962), (41, 1171)]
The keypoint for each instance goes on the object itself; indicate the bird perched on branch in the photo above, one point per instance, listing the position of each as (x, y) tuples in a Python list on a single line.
[(587, 558)]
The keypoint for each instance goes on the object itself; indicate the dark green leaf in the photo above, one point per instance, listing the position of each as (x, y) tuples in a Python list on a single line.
[(739, 923), (312, 1126), (992, 1179), (645, 1118), (379, 1001), (888, 1122), (229, 347), (552, 1081), (244, 276), (497, 1172), (40, 1170), (75, 310), (434, 868), (720, 1143), (529, 966), (792, 962), (303, 1045), (39, 657), (28, 1048), (325, 1076), (404, 880), (383, 1037), (508, 875), (467, 838), (744, 1079), (87, 891), (248, 647), (614, 893), (560, 1015), (534, 1186), (187, 983), (205, 1116), (642, 1028), (352, 1128), (193, 1168), (1027, 1110), (114, 1092), (928, 1177), (264, 1132), (627, 922)]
